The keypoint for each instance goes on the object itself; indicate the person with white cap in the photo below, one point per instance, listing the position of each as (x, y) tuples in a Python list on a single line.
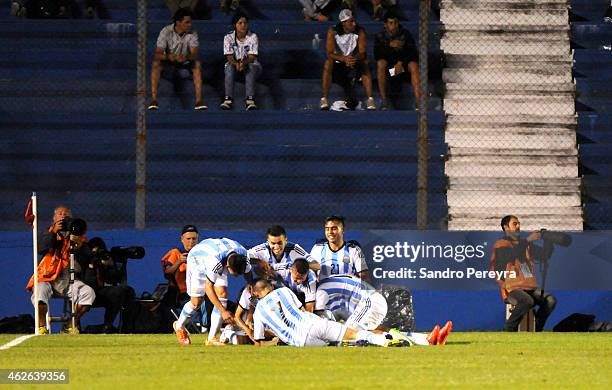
[(346, 61)]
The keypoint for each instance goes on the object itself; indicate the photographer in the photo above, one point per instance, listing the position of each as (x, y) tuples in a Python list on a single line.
[(519, 286), (106, 275), (64, 236)]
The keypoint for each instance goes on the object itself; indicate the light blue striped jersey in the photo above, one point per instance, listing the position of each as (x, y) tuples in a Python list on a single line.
[(308, 288), (292, 251), (279, 311), (341, 293), (348, 260), (206, 257)]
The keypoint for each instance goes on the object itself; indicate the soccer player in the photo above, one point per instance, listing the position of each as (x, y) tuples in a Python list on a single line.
[(208, 265), (334, 256), (281, 312), (303, 282), (350, 299), (276, 254)]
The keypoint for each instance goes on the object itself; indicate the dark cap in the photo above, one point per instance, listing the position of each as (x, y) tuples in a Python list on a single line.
[(189, 228)]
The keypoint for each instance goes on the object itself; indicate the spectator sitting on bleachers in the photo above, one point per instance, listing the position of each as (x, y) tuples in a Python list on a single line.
[(346, 62), (376, 8), (395, 54), (176, 58), (240, 48), (47, 9), (316, 9)]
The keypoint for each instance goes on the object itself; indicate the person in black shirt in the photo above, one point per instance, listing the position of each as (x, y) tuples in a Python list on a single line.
[(395, 54)]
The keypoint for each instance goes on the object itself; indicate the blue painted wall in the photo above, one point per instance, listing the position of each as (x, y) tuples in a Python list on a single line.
[(470, 309)]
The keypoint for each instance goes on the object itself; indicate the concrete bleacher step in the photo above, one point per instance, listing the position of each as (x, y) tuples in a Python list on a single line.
[(529, 222), (511, 138), (512, 132), (513, 74), (508, 12), (591, 35), (469, 162), (479, 45), (505, 99), (526, 192)]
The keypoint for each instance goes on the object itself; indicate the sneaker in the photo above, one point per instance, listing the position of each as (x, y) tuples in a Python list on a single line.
[(71, 331), (215, 342), (153, 105), (200, 106), (42, 330), (371, 104), (444, 332), (324, 104), (397, 343), (227, 103), (181, 334), (432, 339), (250, 104), (354, 343), (397, 335)]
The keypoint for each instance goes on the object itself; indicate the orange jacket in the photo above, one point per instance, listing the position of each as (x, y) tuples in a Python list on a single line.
[(52, 264), (525, 272), (172, 257)]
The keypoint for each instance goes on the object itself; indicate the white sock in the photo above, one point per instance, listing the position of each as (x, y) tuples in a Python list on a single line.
[(186, 314), (216, 320), (418, 338), (372, 338)]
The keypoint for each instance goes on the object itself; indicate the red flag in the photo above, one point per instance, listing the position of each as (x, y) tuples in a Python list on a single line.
[(29, 215)]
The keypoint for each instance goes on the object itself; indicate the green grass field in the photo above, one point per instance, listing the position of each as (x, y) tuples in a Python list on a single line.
[(501, 360)]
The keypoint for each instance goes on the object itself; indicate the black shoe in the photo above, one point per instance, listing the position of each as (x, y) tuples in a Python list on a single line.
[(250, 104), (153, 105), (227, 103)]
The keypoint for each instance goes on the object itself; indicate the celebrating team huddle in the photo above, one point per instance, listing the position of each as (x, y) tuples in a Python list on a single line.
[(298, 299)]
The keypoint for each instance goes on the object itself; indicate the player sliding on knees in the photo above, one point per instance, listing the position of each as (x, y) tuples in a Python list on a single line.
[(348, 298), (208, 265), (280, 312)]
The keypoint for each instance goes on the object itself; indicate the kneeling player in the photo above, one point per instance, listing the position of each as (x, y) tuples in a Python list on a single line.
[(281, 312)]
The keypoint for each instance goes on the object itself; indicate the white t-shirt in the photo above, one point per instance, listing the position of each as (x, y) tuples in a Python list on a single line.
[(240, 49)]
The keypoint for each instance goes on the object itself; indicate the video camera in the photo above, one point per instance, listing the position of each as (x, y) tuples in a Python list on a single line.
[(121, 253), (557, 238)]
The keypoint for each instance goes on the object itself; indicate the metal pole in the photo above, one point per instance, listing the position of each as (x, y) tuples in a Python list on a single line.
[(141, 128), (423, 151), (35, 257)]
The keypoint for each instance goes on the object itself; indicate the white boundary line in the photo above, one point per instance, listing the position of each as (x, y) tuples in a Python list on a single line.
[(16, 341)]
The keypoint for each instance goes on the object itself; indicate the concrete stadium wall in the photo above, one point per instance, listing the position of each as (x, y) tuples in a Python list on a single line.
[(475, 307)]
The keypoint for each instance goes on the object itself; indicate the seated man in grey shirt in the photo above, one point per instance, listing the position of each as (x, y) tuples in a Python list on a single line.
[(176, 57)]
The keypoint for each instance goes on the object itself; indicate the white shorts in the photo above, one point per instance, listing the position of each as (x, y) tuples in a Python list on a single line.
[(324, 332), (196, 281), (82, 293), (369, 313)]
